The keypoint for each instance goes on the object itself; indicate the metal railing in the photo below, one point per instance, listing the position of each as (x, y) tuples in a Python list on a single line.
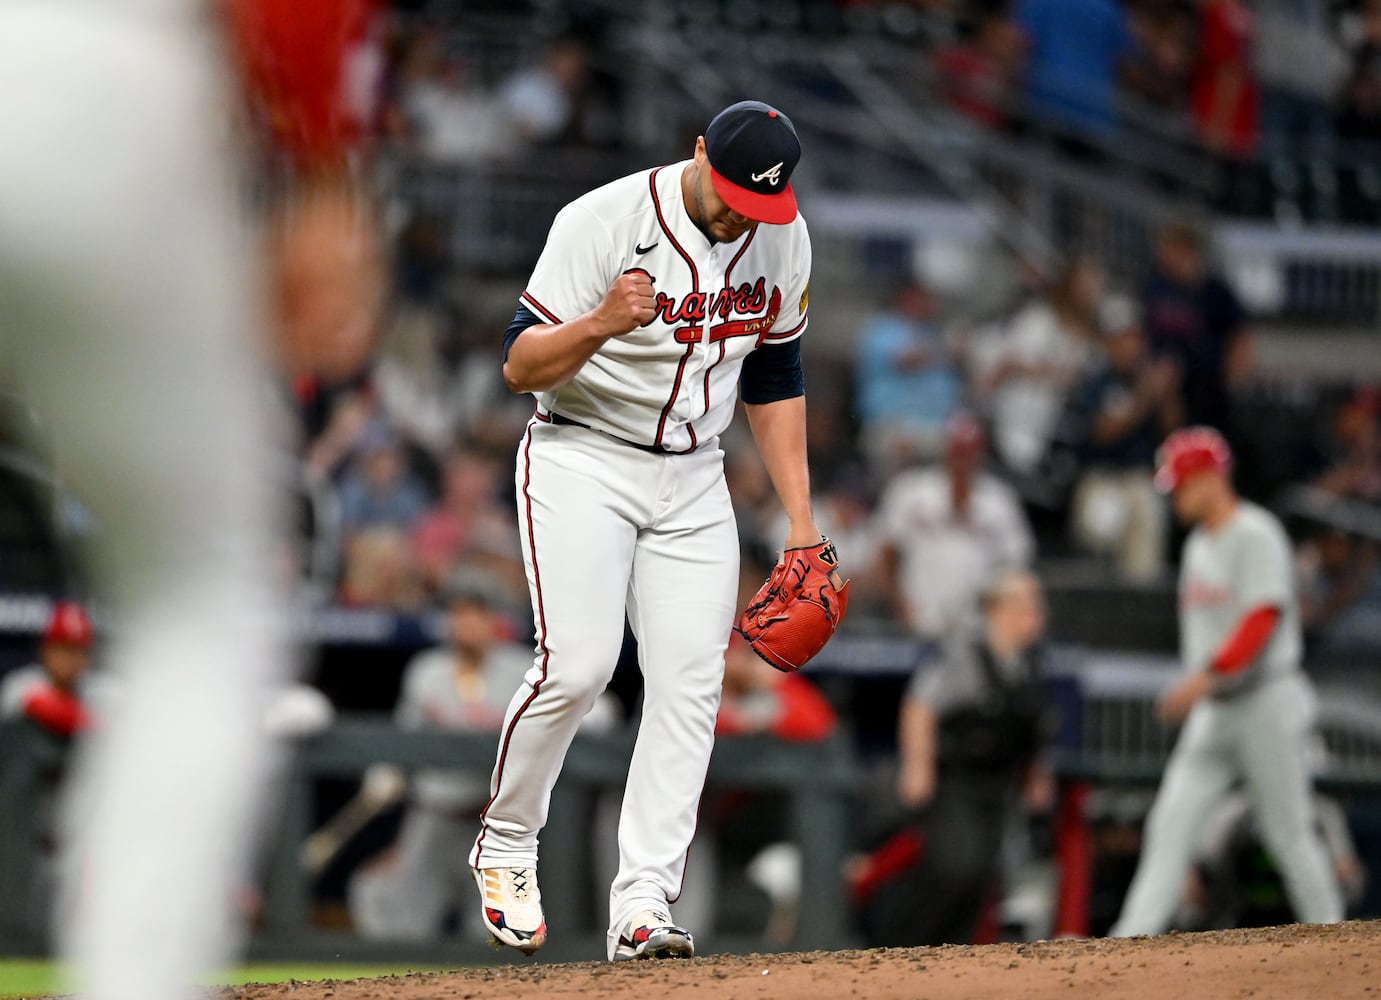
[(1108, 734), (32, 765), (818, 779)]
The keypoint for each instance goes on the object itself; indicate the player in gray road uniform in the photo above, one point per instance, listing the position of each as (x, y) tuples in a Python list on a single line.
[(1248, 709)]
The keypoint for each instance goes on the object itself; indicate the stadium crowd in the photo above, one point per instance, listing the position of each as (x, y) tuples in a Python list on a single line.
[(1283, 95)]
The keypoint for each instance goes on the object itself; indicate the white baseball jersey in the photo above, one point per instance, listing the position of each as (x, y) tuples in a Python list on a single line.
[(1228, 573), (673, 382)]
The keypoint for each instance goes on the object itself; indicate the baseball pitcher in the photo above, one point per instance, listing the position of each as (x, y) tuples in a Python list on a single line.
[(657, 300)]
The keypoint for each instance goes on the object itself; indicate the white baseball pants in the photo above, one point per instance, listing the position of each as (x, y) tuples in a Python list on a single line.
[(608, 529), (1261, 738)]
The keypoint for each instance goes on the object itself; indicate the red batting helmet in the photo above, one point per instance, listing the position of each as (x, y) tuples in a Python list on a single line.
[(68, 625), (1188, 451)]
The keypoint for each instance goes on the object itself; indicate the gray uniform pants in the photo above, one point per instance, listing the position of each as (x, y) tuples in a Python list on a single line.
[(1260, 738)]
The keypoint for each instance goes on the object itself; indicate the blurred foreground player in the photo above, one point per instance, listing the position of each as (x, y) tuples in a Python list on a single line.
[(1247, 708), (130, 306)]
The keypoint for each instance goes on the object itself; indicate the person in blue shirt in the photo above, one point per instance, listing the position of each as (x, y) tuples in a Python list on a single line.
[(1074, 51), (908, 383)]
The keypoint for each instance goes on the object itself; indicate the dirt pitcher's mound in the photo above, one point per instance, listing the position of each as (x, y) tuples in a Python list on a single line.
[(1338, 962)]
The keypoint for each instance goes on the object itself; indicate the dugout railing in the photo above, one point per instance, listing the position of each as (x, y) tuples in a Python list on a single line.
[(1107, 737)]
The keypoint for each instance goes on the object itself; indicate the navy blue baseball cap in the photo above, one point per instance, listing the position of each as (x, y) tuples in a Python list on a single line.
[(752, 149)]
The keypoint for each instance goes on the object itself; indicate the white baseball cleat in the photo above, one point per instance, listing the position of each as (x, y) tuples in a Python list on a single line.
[(651, 934), (512, 907)]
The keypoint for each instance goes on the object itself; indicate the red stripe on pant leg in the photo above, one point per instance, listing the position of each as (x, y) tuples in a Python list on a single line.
[(541, 644)]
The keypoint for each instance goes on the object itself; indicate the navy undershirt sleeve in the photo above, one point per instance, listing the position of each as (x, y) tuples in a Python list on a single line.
[(522, 319), (773, 372)]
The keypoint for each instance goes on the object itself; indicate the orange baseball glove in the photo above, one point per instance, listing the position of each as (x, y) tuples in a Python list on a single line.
[(796, 611)]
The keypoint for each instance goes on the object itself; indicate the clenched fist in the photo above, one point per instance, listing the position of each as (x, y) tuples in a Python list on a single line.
[(629, 303)]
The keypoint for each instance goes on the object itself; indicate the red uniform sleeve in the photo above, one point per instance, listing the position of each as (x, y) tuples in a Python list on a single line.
[(56, 710), (292, 58), (1246, 641)]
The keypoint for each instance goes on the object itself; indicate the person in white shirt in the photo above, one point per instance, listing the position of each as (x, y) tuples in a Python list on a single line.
[(945, 531)]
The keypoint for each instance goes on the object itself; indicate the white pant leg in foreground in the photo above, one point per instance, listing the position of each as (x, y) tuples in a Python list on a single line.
[(129, 313)]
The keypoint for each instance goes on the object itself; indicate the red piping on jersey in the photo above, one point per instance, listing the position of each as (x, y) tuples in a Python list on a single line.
[(547, 314), (723, 346), (675, 388), (789, 333), (661, 221), (1246, 642), (751, 233), (695, 287), (541, 644), (728, 272)]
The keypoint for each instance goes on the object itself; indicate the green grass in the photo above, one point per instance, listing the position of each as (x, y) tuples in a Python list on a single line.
[(28, 979)]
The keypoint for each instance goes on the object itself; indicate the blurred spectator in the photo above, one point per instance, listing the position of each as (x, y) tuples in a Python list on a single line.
[(541, 102), (1224, 96), (445, 113), (1360, 118), (971, 737), (378, 490), (379, 572), (907, 382), (1121, 413), (1162, 60), (330, 420), (1301, 67), (844, 514), (50, 692), (761, 699), (1360, 121), (470, 527), (1075, 49), (1338, 587), (944, 532), (1194, 318), (417, 387), (1359, 26), (463, 686), (1046, 349), (978, 76), (1356, 472)]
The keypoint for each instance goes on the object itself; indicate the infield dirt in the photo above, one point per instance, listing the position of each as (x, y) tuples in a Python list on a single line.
[(1342, 961)]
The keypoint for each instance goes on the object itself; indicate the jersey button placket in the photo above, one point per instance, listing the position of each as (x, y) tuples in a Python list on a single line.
[(700, 356)]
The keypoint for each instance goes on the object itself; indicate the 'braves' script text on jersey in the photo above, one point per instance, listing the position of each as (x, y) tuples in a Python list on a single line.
[(673, 381)]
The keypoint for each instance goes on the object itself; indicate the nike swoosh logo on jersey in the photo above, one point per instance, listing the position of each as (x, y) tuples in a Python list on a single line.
[(640, 249)]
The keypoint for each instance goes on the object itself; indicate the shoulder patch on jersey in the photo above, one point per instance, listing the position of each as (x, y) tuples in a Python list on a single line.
[(805, 300)]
